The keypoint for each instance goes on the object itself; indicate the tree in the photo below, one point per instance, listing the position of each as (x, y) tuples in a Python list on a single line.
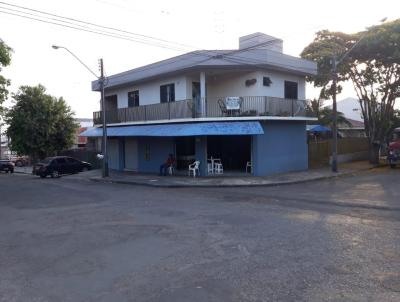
[(325, 114), (5, 60), (372, 64), (39, 124)]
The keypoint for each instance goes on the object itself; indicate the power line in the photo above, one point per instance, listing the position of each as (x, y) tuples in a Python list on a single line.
[(89, 30), (96, 25), (128, 32), (205, 53)]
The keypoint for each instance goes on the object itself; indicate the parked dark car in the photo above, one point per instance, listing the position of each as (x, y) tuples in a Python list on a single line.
[(6, 166), (59, 165)]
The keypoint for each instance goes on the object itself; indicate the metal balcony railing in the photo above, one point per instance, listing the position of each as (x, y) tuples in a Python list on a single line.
[(185, 109)]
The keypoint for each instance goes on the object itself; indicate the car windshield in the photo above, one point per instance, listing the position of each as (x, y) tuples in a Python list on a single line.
[(46, 160)]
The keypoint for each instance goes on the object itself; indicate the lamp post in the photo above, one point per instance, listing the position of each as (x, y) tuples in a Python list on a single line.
[(101, 79), (335, 63)]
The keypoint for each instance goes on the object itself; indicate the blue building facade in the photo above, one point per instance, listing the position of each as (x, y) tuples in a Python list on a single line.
[(275, 146)]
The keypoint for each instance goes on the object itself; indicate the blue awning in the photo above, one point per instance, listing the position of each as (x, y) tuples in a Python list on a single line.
[(181, 129), (317, 128)]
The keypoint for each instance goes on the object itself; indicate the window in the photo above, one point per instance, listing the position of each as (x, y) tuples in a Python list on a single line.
[(267, 81), (167, 93), (290, 90), (61, 160), (72, 160), (133, 98)]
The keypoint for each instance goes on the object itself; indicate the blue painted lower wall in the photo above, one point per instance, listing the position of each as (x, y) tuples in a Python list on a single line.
[(282, 148), (153, 151)]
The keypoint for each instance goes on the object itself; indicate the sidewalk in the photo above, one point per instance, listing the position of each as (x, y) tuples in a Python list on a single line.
[(23, 170), (232, 181)]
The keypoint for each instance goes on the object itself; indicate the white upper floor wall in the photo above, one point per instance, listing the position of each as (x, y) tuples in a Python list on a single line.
[(217, 85)]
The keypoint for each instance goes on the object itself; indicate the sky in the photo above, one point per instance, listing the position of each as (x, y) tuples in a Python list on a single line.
[(206, 24)]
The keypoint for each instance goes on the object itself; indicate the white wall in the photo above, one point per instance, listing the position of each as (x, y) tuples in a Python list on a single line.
[(219, 85), (234, 85), (222, 85), (149, 93), (277, 87)]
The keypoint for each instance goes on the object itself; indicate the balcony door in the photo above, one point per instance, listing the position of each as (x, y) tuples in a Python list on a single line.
[(291, 90), (196, 95)]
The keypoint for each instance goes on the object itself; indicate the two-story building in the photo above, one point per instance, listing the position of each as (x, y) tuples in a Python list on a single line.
[(242, 105)]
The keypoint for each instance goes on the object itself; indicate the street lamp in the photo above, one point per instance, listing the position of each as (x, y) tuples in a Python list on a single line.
[(101, 79), (335, 63)]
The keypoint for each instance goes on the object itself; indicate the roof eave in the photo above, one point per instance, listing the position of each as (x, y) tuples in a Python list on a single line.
[(301, 72)]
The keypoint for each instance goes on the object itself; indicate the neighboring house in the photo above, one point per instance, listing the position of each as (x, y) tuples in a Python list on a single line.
[(351, 109), (84, 124), (243, 105), (356, 129)]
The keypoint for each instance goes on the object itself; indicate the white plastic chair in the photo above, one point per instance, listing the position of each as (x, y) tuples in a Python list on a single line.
[(248, 166), (194, 167), (171, 170), (210, 166), (218, 168)]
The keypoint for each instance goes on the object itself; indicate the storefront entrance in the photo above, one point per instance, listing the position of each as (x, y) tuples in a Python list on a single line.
[(234, 151), (185, 152)]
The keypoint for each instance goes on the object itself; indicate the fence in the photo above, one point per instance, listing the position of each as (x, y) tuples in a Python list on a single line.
[(320, 152)]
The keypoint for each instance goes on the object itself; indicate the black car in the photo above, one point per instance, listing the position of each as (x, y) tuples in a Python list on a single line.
[(58, 165), (6, 166)]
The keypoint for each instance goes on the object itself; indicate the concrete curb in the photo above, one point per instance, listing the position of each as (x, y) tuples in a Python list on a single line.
[(272, 184)]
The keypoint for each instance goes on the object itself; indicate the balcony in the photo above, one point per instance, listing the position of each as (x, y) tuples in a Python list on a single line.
[(257, 106)]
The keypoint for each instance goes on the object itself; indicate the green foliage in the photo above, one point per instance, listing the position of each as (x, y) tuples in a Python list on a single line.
[(40, 125), (371, 61), (5, 60)]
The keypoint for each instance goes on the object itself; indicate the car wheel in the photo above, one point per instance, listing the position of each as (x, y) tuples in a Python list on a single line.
[(55, 174), (19, 163), (84, 169), (42, 176)]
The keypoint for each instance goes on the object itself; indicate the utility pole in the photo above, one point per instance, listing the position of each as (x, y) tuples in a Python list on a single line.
[(103, 110), (334, 116)]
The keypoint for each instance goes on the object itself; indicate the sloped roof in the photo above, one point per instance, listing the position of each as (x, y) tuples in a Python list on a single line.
[(224, 59), (354, 124)]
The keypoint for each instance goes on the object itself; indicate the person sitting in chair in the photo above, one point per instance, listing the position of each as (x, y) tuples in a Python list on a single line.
[(168, 163)]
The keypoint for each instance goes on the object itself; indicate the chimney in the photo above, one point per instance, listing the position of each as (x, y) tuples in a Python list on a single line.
[(261, 41)]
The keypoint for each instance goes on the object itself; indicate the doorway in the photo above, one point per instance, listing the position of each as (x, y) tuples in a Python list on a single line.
[(196, 96), (131, 154), (234, 151), (185, 152)]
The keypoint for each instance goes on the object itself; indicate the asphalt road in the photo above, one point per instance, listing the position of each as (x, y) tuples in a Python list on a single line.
[(70, 239)]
